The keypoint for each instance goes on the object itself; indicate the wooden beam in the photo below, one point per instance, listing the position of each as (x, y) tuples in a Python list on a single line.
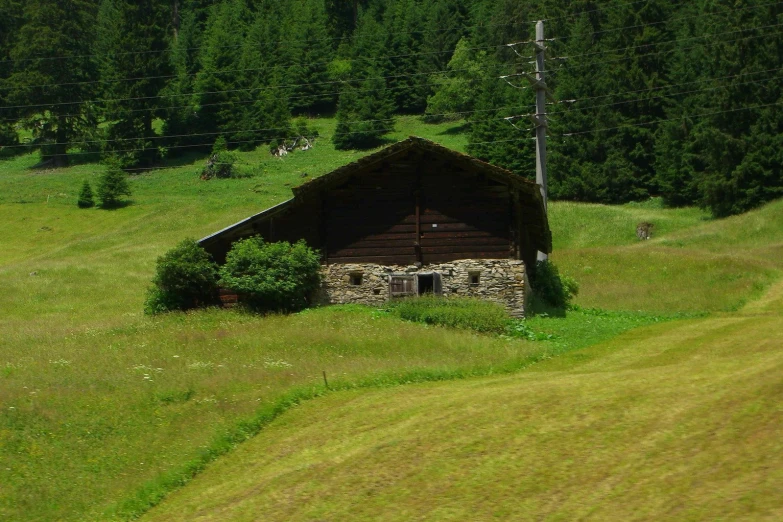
[(324, 229)]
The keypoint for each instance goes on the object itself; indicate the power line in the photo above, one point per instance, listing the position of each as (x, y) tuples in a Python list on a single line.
[(253, 89), (236, 131), (684, 117), (658, 53), (162, 168), (252, 69), (606, 51), (330, 39), (446, 114), (233, 142), (672, 85), (446, 71), (443, 71), (634, 100), (670, 20), (314, 97)]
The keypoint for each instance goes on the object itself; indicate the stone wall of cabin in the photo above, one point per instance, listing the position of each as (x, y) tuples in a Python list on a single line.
[(503, 281)]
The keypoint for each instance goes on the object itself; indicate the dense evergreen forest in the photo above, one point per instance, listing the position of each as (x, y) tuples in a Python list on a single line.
[(651, 97)]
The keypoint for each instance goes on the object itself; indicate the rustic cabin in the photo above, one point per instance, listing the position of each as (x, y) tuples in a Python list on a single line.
[(411, 219)]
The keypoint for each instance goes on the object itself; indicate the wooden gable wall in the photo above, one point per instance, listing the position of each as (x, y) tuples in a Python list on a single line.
[(417, 209)]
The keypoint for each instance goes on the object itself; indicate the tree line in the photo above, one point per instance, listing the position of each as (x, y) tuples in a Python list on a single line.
[(651, 98)]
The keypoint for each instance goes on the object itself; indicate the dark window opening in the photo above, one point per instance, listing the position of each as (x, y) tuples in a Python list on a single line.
[(356, 279), (426, 284), (474, 278), (376, 291)]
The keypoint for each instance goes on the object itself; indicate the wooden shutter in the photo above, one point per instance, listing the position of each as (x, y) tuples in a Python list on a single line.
[(400, 286)]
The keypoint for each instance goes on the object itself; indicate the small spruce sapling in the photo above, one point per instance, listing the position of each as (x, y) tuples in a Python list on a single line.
[(86, 198), (112, 185)]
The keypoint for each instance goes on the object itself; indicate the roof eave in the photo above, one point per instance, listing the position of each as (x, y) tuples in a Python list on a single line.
[(271, 211)]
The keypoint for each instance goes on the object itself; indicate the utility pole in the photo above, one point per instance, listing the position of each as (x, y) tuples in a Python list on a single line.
[(540, 118), (538, 82)]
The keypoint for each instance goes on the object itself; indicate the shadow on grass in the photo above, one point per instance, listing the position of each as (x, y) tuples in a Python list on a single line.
[(185, 159), (116, 205), (539, 307), (368, 145), (8, 152), (462, 128)]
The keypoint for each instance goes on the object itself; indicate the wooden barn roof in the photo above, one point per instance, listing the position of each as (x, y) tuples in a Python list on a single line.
[(528, 191)]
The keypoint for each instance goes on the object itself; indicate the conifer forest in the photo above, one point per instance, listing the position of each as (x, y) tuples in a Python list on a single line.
[(681, 100)]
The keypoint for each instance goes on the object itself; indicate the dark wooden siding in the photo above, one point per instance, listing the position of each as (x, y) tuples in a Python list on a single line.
[(373, 218), (463, 216), (369, 219)]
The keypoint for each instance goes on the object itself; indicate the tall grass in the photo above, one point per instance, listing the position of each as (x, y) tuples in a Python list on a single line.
[(471, 314)]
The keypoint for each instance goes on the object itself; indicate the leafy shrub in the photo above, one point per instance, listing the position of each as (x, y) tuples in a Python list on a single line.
[(277, 277), (473, 314), (86, 198), (112, 185), (185, 277), (552, 288), (220, 163)]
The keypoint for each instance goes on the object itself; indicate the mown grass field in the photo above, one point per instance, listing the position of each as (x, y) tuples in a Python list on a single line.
[(98, 402), (680, 421)]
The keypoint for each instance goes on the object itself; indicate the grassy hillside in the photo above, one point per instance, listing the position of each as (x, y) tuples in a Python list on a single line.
[(671, 422), (98, 402), (691, 264)]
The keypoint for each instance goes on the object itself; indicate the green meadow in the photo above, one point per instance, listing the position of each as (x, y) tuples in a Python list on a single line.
[(105, 413), (676, 421)]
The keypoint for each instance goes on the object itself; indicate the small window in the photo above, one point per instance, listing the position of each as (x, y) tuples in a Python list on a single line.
[(356, 278), (474, 278)]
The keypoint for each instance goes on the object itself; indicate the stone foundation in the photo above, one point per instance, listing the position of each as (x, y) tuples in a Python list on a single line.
[(502, 281)]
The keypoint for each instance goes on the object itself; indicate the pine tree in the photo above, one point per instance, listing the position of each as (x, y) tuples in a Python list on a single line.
[(730, 131), (216, 86), (444, 25), (343, 15), (492, 138), (308, 48), (112, 185), (404, 25), (86, 197), (132, 49), (262, 114), (9, 25), (616, 68), (456, 91), (364, 113), (365, 110), (181, 120), (52, 73), (576, 155)]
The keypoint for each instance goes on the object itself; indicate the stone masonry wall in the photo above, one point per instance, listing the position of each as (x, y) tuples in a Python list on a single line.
[(503, 281)]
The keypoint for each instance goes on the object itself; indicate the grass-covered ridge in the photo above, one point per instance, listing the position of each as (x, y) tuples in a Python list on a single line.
[(97, 400)]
